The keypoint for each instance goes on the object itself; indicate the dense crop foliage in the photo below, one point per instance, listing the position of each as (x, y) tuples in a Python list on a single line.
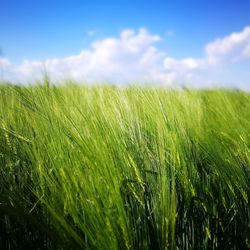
[(135, 168)]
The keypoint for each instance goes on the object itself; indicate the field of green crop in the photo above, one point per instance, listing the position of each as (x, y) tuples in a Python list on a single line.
[(124, 168)]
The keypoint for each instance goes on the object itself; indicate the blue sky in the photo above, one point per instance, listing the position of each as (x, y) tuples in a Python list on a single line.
[(37, 31)]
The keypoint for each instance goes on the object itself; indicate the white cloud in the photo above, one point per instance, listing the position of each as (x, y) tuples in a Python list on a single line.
[(169, 33), (220, 53), (4, 62), (183, 64), (230, 49), (130, 57), (92, 32), (133, 57)]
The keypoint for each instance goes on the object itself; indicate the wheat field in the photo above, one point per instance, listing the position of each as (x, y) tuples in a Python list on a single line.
[(102, 167)]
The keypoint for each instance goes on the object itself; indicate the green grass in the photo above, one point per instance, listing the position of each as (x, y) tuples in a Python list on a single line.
[(136, 168)]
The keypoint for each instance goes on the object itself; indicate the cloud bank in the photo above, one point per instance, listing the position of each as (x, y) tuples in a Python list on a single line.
[(133, 57)]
